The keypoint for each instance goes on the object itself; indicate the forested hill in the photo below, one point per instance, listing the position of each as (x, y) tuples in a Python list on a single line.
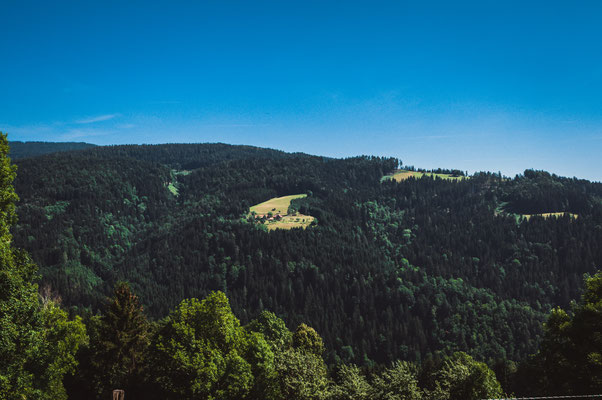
[(392, 270), (33, 149), (189, 156)]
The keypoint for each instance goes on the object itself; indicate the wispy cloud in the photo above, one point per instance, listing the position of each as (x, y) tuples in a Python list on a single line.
[(83, 133), (233, 125), (98, 118)]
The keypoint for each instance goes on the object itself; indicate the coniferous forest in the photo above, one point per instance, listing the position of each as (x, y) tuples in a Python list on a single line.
[(142, 270)]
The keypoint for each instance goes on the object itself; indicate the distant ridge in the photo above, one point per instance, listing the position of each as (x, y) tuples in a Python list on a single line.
[(32, 149)]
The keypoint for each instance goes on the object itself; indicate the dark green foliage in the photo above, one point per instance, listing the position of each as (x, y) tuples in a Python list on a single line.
[(202, 352), (569, 361), (20, 320), (541, 192), (273, 329), (92, 212), (187, 156), (32, 149), (119, 345), (414, 270), (56, 356), (37, 341), (462, 378), (307, 339), (302, 375), (391, 271), (351, 384), (399, 382)]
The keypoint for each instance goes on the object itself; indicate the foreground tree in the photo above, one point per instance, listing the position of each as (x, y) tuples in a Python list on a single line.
[(307, 339), (119, 344), (61, 339), (277, 336), (302, 375), (37, 343), (351, 384), (273, 329), (399, 382), (202, 352), (569, 361), (463, 378)]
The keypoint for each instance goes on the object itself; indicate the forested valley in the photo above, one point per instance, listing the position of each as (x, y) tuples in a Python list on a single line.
[(424, 288)]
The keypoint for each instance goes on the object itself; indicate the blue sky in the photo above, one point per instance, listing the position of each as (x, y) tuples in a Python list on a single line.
[(484, 85)]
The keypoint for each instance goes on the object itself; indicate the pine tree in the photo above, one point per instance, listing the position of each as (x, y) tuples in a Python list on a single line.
[(120, 343)]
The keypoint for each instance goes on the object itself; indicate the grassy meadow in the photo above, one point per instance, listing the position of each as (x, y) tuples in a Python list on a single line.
[(402, 175), (279, 206), (550, 215)]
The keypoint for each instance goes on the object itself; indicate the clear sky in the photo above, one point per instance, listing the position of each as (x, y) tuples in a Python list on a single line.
[(483, 85)]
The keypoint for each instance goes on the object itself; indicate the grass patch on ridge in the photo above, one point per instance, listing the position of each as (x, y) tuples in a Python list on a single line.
[(402, 175), (274, 214)]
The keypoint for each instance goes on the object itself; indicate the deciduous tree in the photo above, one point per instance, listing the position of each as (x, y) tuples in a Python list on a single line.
[(37, 342)]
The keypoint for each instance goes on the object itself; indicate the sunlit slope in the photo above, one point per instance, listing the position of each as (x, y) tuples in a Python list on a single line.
[(274, 213)]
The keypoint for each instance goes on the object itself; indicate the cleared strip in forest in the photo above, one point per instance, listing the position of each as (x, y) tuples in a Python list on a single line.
[(550, 215), (402, 175)]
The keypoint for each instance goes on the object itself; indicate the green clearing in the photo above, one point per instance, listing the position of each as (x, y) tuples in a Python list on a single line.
[(550, 215), (500, 211), (172, 186), (280, 219), (173, 189), (402, 175)]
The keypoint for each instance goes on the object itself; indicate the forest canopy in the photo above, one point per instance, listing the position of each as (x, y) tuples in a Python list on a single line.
[(399, 278)]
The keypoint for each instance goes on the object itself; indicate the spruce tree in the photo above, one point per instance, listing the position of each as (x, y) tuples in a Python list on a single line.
[(120, 343)]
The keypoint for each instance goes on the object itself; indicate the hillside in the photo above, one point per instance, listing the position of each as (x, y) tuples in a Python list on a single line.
[(393, 270), (33, 149), (277, 213)]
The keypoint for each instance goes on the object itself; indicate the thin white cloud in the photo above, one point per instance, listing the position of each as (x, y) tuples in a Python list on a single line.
[(83, 133), (233, 125), (98, 118)]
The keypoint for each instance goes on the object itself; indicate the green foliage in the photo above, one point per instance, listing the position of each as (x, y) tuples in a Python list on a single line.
[(20, 320), (302, 375), (273, 329), (351, 384), (390, 273), (261, 355), (120, 343), (307, 339), (198, 353), (399, 382), (37, 342), (55, 357), (569, 360), (462, 378), (33, 149)]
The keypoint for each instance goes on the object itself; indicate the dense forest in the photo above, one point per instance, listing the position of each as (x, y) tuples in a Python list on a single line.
[(32, 149), (429, 271)]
